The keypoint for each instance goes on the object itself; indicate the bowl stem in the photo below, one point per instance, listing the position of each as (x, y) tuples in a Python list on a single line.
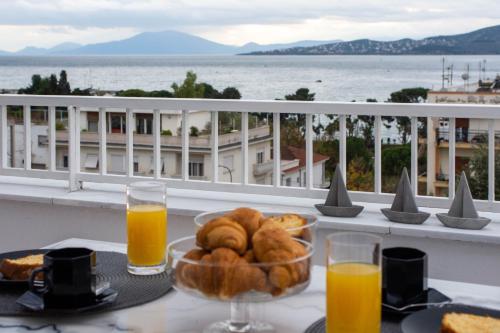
[(240, 317)]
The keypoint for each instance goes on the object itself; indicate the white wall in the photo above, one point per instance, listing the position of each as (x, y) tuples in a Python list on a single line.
[(31, 225)]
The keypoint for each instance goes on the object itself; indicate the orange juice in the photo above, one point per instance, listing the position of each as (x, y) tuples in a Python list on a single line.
[(147, 234), (354, 298)]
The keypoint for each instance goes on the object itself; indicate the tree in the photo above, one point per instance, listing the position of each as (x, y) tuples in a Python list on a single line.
[(302, 94), (359, 178), (194, 131), (63, 87), (209, 91), (477, 173), (189, 88), (230, 93), (408, 95)]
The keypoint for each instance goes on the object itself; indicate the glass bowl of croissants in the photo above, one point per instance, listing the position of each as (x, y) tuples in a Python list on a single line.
[(245, 255)]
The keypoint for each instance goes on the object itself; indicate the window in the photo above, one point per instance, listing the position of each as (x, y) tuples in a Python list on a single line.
[(136, 164), (117, 163), (118, 123), (260, 157), (289, 181), (229, 162), (91, 161), (195, 169), (93, 122), (144, 123), (65, 161)]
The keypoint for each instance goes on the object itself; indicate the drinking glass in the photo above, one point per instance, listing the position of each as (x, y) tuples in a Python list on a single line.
[(353, 283), (146, 227)]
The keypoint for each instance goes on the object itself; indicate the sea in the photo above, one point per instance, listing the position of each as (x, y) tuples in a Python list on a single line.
[(331, 78)]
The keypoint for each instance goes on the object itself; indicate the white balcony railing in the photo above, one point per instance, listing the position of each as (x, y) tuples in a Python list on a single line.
[(157, 106)]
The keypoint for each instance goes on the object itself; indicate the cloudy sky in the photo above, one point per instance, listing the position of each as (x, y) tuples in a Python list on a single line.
[(45, 23)]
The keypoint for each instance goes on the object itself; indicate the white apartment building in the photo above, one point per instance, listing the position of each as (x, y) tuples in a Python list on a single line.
[(259, 140), (469, 132)]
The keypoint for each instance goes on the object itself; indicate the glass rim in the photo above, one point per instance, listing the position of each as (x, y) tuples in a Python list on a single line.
[(147, 185), (374, 239), (312, 219), (180, 258)]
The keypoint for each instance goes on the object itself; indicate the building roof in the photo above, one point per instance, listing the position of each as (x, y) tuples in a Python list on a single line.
[(294, 153)]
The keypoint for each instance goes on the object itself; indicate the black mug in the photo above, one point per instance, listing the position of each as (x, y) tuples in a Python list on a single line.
[(404, 275), (69, 278)]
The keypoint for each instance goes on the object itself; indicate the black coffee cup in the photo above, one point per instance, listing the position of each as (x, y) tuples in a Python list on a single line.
[(404, 275), (69, 278)]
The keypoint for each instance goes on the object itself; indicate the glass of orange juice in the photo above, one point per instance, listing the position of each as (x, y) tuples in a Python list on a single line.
[(146, 227), (353, 283)]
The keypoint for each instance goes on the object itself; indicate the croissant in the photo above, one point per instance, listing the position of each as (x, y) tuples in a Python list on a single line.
[(248, 218), (222, 232), (273, 244), (187, 273), (288, 221), (225, 274)]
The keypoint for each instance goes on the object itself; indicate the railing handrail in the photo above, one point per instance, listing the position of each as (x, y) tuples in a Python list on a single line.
[(158, 106), (482, 111)]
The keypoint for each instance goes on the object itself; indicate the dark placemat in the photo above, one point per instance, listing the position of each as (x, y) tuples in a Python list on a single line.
[(132, 290), (390, 324)]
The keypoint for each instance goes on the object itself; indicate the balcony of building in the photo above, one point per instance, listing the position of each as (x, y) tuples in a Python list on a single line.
[(41, 202)]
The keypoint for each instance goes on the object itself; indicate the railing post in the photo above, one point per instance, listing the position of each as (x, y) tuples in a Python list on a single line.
[(309, 152), (414, 155), (276, 150), (78, 130), (491, 160), (102, 131), (73, 181), (3, 136), (52, 139), (215, 146), (130, 142), (342, 146), (244, 148), (157, 144), (27, 137), (185, 145), (378, 153), (451, 158)]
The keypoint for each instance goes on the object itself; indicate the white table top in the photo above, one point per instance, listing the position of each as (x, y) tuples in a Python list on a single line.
[(180, 313)]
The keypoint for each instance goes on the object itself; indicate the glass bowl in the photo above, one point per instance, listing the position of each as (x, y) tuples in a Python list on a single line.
[(306, 232), (236, 281)]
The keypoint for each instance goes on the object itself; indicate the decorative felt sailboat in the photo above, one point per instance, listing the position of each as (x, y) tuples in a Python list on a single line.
[(338, 203), (404, 207), (463, 213)]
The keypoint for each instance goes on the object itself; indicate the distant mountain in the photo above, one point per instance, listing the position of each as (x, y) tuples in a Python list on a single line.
[(32, 51), (254, 47), (483, 41), (156, 43)]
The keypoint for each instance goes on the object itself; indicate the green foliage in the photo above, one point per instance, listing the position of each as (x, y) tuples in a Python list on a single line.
[(63, 87), (230, 93), (409, 95), (194, 131), (166, 132), (477, 173), (395, 158), (81, 92), (60, 126), (189, 88), (142, 93), (302, 94), (359, 178)]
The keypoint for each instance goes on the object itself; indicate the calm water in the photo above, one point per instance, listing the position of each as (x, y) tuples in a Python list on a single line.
[(343, 78)]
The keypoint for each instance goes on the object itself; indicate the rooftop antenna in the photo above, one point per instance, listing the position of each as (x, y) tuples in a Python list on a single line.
[(442, 75), (484, 69)]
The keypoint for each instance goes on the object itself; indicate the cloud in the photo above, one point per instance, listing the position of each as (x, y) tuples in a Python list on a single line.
[(240, 21)]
